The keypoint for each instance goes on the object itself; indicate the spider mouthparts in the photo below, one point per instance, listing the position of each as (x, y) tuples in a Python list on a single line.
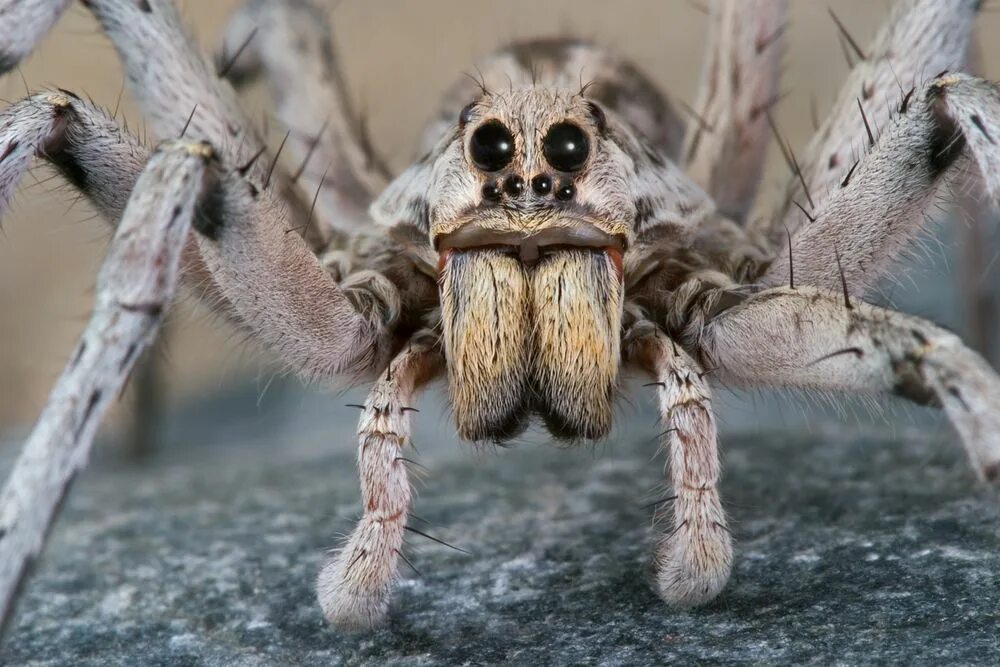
[(543, 340), (530, 247), (616, 256)]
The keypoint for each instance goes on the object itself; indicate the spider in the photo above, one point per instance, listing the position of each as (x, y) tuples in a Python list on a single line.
[(563, 225)]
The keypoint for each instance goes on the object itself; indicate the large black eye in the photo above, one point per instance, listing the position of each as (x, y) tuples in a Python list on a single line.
[(566, 147), (492, 146)]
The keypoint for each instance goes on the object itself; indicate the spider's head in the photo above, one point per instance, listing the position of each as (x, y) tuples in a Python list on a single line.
[(535, 168), (530, 202), (528, 171)]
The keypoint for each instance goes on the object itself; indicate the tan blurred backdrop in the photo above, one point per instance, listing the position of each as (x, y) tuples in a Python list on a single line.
[(399, 55)]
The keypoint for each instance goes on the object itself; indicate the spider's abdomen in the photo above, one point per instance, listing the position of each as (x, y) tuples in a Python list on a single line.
[(520, 339)]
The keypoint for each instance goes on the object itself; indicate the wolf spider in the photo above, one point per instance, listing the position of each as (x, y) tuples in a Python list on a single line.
[(562, 224)]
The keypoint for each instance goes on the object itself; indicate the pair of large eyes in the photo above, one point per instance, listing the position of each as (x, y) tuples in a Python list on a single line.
[(565, 146)]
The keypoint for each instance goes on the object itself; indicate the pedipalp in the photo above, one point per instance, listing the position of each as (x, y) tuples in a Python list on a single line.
[(693, 559), (355, 585)]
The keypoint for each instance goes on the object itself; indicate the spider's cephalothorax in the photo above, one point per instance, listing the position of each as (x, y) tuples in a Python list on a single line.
[(530, 197), (530, 201), (563, 224)]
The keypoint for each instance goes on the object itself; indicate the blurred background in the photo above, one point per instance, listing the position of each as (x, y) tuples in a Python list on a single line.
[(399, 56)]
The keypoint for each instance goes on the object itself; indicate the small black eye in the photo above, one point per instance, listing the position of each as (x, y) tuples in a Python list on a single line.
[(566, 147), (541, 184), (566, 192), (492, 146), (491, 192), (514, 186)]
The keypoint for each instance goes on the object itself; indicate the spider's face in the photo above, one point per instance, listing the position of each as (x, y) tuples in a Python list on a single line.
[(530, 171), (530, 201), (535, 169)]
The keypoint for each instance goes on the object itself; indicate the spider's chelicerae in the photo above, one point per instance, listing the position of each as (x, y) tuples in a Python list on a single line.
[(562, 224)]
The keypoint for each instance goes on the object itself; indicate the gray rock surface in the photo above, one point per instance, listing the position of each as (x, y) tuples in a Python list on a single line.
[(851, 550)]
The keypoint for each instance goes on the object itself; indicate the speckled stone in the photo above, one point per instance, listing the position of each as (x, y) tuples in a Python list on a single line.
[(849, 551)]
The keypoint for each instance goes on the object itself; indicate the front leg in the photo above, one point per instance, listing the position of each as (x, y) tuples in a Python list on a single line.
[(693, 560), (814, 339), (920, 39), (23, 24), (136, 285), (355, 585), (868, 219)]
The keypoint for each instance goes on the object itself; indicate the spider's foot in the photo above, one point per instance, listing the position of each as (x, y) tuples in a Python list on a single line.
[(354, 586), (349, 602), (693, 564)]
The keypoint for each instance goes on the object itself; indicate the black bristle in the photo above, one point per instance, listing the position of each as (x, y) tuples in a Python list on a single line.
[(804, 211), (791, 263), (228, 65), (868, 128), (847, 36), (274, 162), (843, 281)]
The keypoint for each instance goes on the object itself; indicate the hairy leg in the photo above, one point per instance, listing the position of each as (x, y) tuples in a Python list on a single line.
[(92, 152), (175, 85), (920, 40), (268, 278), (169, 77), (181, 94), (278, 290), (23, 23), (100, 159), (273, 283), (977, 247), (81, 141), (355, 584), (244, 261), (726, 140), (693, 560), (875, 212), (137, 281), (812, 339), (290, 43), (976, 224)]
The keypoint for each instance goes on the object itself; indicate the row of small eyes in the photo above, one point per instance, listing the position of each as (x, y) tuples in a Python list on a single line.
[(565, 146)]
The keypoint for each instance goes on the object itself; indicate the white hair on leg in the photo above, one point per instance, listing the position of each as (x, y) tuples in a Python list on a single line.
[(23, 24), (920, 40), (813, 339), (693, 560), (355, 584), (880, 207), (135, 286), (290, 43)]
